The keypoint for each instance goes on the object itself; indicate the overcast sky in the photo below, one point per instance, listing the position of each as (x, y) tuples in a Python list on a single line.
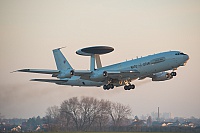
[(29, 30)]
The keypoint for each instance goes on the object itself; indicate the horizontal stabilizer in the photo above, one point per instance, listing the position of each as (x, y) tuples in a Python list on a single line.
[(43, 71), (50, 80)]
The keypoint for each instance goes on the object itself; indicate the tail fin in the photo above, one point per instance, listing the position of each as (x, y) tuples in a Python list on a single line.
[(61, 62)]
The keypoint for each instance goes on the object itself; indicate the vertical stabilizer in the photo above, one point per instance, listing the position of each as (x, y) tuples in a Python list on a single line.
[(61, 62)]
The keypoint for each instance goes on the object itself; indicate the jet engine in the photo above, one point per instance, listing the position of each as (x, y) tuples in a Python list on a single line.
[(162, 76), (98, 76), (65, 74)]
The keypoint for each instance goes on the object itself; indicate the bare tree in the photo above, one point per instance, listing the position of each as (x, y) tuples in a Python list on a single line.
[(119, 113), (53, 112), (86, 112), (52, 117), (70, 111), (82, 113), (103, 116), (90, 109)]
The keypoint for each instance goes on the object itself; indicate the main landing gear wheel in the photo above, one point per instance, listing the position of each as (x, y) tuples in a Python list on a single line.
[(108, 86), (128, 87)]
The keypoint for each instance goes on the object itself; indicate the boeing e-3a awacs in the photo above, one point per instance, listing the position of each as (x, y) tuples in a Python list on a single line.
[(154, 66)]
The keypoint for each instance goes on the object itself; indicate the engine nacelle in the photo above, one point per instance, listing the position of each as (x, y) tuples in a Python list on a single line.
[(98, 76), (65, 74), (72, 72), (162, 76)]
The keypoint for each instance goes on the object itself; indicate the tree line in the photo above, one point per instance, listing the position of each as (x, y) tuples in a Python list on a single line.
[(87, 114), (90, 114)]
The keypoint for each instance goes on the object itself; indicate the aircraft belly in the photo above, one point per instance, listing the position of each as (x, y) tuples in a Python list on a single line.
[(82, 82)]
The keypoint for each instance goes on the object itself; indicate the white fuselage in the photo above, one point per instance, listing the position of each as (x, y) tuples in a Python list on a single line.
[(146, 66)]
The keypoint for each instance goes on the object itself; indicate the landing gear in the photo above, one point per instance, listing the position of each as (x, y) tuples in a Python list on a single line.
[(108, 86), (173, 74), (128, 87), (112, 86)]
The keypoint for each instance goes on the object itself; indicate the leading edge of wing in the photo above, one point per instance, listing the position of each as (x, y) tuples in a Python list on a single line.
[(122, 73), (81, 72), (43, 71), (50, 80)]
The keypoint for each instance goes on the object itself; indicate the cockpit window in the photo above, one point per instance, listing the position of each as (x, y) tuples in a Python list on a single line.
[(180, 53), (177, 53)]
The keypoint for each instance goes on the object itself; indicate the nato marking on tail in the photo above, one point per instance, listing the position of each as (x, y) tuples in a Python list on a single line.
[(61, 61)]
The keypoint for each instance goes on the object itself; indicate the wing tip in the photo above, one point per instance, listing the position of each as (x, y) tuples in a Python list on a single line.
[(32, 80), (21, 70)]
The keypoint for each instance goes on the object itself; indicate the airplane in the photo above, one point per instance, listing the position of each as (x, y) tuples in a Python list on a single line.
[(154, 66)]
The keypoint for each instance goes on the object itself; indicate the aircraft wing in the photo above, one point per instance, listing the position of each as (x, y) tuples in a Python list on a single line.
[(122, 74), (50, 80), (83, 74), (43, 71)]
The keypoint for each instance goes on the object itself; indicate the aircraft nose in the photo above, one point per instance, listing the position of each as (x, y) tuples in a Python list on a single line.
[(186, 57)]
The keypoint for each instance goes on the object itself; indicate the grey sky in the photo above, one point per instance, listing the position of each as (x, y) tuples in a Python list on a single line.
[(29, 30)]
